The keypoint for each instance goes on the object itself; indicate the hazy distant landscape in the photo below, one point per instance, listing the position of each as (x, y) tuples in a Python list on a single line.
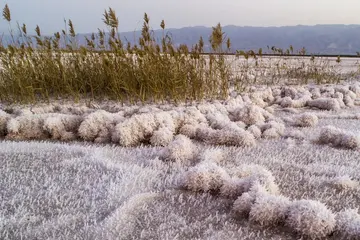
[(318, 39)]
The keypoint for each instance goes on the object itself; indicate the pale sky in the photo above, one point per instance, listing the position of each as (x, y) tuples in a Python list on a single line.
[(87, 14)]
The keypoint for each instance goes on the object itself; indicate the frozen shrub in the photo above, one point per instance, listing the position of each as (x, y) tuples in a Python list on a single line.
[(296, 134), (255, 131), (348, 224), (76, 110), (287, 102), (270, 109), (225, 137), (276, 91), (306, 120), (4, 118), (189, 130), (272, 129), (324, 103), (234, 103), (355, 89), (62, 126), (291, 110), (206, 108), (340, 98), (270, 133), (349, 101), (315, 93), (139, 128), (250, 114), (205, 177), (162, 137), (234, 187), (310, 218), (132, 131), (147, 109), (253, 174), (327, 90), (98, 126), (217, 120), (344, 183), (243, 204), (26, 127), (42, 109), (215, 155), (256, 98), (181, 149), (288, 92), (269, 209), (193, 116), (338, 138)]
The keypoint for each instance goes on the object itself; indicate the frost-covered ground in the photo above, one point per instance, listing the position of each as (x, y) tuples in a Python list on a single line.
[(272, 163)]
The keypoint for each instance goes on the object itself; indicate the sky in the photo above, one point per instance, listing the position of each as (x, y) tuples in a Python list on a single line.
[(87, 14)]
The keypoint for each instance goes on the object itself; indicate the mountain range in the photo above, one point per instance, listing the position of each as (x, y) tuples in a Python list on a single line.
[(317, 39)]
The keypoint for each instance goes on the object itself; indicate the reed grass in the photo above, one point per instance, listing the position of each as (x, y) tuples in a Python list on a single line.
[(39, 67), (36, 67)]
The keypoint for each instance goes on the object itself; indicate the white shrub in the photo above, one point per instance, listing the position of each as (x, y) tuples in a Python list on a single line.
[(62, 126), (206, 176), (189, 130), (296, 134), (344, 183), (315, 93), (269, 209), (324, 103), (255, 131), (338, 138), (288, 92), (250, 114), (270, 133), (181, 149), (355, 89), (310, 218), (291, 110), (272, 129), (218, 120), (349, 101), (76, 110), (132, 131), (252, 174), (225, 137), (348, 224), (287, 102), (4, 118), (270, 109), (234, 187), (215, 155), (340, 98), (276, 91), (162, 137), (234, 103), (243, 204), (26, 127), (306, 120), (98, 126), (139, 128)]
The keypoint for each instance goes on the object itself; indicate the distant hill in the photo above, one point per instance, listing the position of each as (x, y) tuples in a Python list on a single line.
[(318, 39)]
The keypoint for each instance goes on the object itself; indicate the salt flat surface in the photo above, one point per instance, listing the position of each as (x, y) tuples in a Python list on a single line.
[(214, 170)]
